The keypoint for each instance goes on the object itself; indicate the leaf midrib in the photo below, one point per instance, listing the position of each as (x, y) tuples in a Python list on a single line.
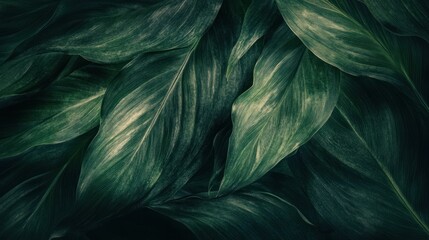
[(170, 90), (389, 177)]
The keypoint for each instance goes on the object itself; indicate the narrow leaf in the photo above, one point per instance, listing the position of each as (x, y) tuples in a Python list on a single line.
[(259, 17)]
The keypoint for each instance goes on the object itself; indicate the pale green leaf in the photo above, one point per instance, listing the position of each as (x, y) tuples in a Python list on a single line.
[(292, 96), (345, 35)]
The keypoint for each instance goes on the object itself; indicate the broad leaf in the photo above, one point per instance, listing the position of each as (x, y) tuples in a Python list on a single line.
[(345, 35), (405, 17), (40, 189), (260, 211), (292, 96), (66, 109), (105, 31), (155, 118), (259, 18), (367, 167)]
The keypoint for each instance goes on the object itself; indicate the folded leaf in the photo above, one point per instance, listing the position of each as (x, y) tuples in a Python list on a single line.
[(292, 96), (45, 191), (260, 211), (105, 31), (345, 35), (405, 17), (66, 109), (259, 17), (155, 118), (367, 167)]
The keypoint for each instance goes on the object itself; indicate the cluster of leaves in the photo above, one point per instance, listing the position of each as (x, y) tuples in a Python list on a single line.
[(234, 119)]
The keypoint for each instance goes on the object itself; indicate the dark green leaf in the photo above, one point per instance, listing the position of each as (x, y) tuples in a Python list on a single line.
[(155, 118), (105, 31), (260, 211), (68, 108), (21, 19), (292, 96), (367, 167), (41, 188), (405, 17), (260, 16), (345, 35)]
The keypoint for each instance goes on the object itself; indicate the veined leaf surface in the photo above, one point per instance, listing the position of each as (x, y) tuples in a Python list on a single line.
[(345, 35), (104, 31), (367, 166), (66, 109), (292, 96), (155, 118), (35, 203), (405, 17)]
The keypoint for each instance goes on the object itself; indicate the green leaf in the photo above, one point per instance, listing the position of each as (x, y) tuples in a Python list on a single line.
[(104, 31), (345, 35), (22, 76), (260, 211), (155, 118), (367, 167), (259, 18), (292, 96), (41, 189), (66, 109), (404, 17), (21, 19)]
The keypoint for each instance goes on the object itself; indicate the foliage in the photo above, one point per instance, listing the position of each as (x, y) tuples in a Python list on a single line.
[(234, 119)]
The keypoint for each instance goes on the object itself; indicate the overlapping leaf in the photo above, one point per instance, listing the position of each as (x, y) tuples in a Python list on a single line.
[(106, 31), (260, 211), (259, 18), (39, 189), (155, 118), (405, 17), (21, 19), (367, 166), (292, 96), (344, 34), (68, 108)]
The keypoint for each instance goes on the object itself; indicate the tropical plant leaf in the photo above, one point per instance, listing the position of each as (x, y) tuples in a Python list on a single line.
[(66, 109), (260, 211), (155, 118), (23, 77), (405, 17), (366, 168), (105, 31), (345, 35), (44, 192), (259, 18), (292, 96), (21, 19)]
